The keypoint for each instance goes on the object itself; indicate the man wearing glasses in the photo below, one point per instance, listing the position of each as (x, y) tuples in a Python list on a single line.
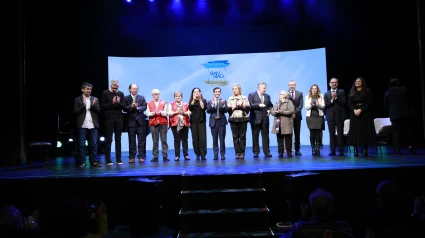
[(335, 101), (112, 104)]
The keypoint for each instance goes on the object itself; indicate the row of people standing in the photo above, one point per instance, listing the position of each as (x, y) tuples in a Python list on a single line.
[(256, 109)]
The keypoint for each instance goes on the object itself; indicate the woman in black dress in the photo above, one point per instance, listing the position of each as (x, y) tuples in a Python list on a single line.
[(198, 120), (362, 130)]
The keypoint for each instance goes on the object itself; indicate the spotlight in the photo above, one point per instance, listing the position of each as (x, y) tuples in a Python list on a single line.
[(102, 138), (70, 140), (128, 0), (58, 144)]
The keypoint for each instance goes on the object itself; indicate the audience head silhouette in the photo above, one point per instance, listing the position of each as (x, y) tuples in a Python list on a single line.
[(322, 205)]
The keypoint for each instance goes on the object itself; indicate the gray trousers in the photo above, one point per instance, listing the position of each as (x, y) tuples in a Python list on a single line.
[(159, 131)]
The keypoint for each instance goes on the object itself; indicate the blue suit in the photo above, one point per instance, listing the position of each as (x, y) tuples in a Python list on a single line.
[(218, 122)]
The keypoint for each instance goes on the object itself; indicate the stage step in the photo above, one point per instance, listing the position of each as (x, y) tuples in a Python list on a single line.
[(260, 234), (224, 220), (224, 205), (223, 198)]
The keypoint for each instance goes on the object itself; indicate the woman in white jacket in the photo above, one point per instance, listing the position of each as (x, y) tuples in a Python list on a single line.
[(315, 104)]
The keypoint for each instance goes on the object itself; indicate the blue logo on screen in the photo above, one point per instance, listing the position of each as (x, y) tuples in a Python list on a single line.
[(216, 72)]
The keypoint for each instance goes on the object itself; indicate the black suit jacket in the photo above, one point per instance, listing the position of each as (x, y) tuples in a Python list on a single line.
[(337, 109), (259, 114), (135, 115), (398, 103), (80, 111), (298, 102), (212, 110)]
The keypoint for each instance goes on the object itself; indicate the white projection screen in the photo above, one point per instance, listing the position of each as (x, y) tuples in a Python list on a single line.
[(183, 73)]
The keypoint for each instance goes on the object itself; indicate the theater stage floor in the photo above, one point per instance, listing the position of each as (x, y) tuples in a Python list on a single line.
[(64, 167)]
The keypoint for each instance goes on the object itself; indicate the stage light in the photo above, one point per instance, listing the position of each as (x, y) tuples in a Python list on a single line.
[(70, 140), (102, 138), (58, 144), (128, 1)]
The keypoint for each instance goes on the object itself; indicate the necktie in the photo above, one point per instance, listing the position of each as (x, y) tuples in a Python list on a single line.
[(217, 107), (262, 99), (134, 98), (292, 94)]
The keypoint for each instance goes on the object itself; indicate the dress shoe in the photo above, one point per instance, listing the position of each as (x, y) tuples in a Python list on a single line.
[(141, 160), (289, 154), (119, 161), (280, 155), (186, 157), (132, 160), (268, 155), (215, 157), (177, 158), (332, 153), (341, 153), (82, 165), (255, 155), (397, 151), (109, 162), (198, 157), (155, 159), (165, 158), (95, 164), (223, 157), (298, 153), (203, 158)]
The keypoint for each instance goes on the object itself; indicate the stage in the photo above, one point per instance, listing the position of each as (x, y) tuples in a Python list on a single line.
[(64, 167), (352, 180)]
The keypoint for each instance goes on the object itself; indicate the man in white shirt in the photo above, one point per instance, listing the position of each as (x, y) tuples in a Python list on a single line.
[(87, 109)]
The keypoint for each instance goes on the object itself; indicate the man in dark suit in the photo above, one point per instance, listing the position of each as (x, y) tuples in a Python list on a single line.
[(87, 110), (216, 107), (400, 110), (298, 100), (135, 106), (261, 106), (335, 101)]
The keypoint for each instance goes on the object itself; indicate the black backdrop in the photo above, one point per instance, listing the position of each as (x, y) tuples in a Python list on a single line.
[(67, 42)]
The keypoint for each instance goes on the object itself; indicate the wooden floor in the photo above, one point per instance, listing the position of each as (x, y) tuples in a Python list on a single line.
[(64, 167)]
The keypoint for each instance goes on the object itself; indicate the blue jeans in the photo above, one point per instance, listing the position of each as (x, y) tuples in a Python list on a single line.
[(91, 136)]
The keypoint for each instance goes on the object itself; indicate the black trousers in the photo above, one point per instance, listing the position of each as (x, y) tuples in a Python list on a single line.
[(264, 129), (138, 132), (239, 136), (297, 131), (113, 126), (335, 141), (402, 131), (284, 141), (180, 136), (199, 138)]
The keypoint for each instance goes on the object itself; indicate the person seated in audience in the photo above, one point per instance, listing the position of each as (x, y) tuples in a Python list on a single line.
[(77, 218), (388, 219), (322, 222), (13, 224)]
